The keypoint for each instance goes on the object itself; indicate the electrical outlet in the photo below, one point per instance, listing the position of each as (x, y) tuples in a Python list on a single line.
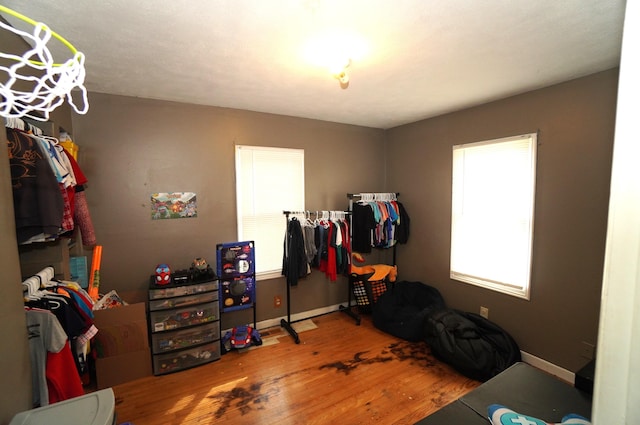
[(587, 350), (484, 312), (277, 301)]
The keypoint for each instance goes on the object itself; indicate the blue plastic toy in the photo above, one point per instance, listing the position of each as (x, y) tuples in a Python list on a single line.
[(241, 337)]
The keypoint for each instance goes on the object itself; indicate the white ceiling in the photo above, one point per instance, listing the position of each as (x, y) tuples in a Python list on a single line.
[(422, 58)]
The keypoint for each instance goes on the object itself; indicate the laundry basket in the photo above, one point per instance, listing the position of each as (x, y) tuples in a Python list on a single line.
[(366, 292)]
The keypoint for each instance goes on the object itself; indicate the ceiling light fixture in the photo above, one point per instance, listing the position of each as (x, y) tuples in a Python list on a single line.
[(341, 75), (335, 50)]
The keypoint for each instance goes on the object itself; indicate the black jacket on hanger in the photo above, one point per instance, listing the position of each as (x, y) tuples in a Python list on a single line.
[(294, 263), (402, 231)]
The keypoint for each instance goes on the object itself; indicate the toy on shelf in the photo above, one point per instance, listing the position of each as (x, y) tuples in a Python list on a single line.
[(163, 274), (200, 270)]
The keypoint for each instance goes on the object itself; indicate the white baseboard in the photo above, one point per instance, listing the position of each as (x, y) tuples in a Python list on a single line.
[(537, 362), (269, 323)]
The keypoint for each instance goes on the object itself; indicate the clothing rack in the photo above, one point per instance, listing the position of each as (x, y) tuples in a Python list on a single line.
[(366, 197), (32, 285), (372, 197), (327, 215)]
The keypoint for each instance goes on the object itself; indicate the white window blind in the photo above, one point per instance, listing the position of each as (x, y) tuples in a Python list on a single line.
[(493, 195), (268, 182)]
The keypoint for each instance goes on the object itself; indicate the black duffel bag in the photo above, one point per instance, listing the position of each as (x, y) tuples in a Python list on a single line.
[(473, 345)]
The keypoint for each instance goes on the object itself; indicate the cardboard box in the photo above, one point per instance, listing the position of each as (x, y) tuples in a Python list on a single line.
[(121, 330), (116, 370), (122, 345)]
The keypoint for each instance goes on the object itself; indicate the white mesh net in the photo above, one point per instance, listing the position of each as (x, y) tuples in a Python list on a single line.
[(33, 82)]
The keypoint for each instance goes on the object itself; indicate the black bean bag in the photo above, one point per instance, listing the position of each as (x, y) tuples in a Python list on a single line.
[(473, 345), (402, 309)]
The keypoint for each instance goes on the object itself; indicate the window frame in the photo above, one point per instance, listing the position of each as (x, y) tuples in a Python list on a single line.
[(518, 288), (276, 217)]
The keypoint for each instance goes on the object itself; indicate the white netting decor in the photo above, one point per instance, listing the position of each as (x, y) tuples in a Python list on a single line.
[(33, 82)]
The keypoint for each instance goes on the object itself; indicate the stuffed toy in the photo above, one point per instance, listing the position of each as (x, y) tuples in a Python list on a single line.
[(378, 272)]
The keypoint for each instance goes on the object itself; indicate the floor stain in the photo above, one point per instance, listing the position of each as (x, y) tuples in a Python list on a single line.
[(414, 352), (254, 398), (349, 365), (245, 400)]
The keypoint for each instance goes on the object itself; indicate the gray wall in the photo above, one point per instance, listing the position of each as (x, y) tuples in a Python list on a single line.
[(575, 121), (130, 148)]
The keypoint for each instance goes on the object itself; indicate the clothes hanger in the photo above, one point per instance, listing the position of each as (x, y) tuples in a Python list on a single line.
[(14, 122), (308, 221)]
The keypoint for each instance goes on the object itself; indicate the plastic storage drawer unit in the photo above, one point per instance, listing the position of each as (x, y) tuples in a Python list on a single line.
[(166, 320), (178, 291), (183, 301), (184, 320), (184, 359), (175, 340)]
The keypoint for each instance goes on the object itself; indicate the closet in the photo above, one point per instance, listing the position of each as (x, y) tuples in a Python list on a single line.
[(33, 89), (47, 187)]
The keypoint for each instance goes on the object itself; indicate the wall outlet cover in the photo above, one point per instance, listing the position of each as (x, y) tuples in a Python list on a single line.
[(484, 312)]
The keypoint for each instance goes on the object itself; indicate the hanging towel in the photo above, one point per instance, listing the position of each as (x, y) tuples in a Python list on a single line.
[(83, 220)]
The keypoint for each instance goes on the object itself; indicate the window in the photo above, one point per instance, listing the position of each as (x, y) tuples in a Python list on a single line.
[(268, 182), (493, 195)]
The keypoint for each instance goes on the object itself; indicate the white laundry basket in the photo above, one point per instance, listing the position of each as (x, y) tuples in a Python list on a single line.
[(96, 408)]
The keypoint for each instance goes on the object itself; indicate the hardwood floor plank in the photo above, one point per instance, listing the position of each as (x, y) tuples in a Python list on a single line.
[(340, 373)]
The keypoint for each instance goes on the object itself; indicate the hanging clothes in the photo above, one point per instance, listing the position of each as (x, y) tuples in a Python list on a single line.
[(53, 370), (81, 215), (338, 249), (37, 200), (294, 263), (331, 269), (403, 229), (72, 307), (344, 254), (378, 224), (326, 245), (311, 250), (45, 181)]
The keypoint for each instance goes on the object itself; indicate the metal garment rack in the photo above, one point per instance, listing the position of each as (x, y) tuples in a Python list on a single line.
[(392, 196), (287, 323)]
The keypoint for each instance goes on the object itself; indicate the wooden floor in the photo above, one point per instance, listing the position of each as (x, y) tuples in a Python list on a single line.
[(340, 373)]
